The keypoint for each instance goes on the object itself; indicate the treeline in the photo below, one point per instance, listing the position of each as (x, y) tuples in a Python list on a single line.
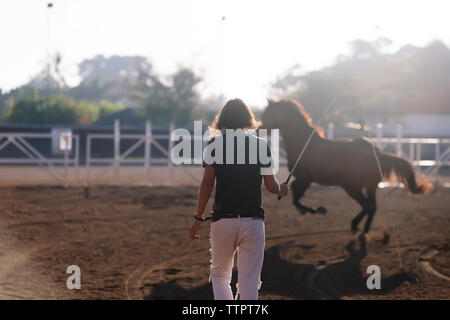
[(387, 86), (107, 86), (58, 109)]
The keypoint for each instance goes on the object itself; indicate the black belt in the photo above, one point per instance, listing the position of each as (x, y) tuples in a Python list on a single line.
[(216, 217)]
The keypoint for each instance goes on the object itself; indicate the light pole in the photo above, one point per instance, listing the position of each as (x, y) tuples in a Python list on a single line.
[(49, 6)]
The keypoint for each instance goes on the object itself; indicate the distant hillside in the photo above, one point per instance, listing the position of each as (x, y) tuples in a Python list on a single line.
[(411, 80)]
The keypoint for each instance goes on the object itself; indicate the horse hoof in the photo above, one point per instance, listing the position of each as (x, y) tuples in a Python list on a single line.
[(362, 237), (321, 210), (386, 238)]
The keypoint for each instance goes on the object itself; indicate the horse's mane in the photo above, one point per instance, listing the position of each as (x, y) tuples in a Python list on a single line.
[(294, 110)]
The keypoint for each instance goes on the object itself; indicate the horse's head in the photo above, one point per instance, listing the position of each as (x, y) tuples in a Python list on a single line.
[(287, 114), (272, 117)]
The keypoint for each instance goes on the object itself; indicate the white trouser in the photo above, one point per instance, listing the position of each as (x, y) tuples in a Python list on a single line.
[(247, 236)]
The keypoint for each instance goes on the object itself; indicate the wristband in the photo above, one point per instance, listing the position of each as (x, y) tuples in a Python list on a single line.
[(203, 219)]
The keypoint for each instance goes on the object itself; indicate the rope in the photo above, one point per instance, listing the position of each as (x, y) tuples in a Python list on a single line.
[(386, 194), (379, 170), (310, 137)]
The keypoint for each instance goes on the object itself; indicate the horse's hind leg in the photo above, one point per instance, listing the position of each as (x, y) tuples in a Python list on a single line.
[(299, 186), (356, 220), (371, 207), (362, 200)]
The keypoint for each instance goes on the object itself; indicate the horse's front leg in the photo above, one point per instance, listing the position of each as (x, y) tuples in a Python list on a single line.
[(299, 186)]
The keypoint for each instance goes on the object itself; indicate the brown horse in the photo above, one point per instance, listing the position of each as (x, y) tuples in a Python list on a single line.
[(350, 164)]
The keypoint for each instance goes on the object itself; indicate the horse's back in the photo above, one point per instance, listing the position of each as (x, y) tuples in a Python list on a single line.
[(342, 162), (353, 146)]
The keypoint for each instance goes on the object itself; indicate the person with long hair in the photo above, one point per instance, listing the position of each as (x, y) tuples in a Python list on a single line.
[(238, 215)]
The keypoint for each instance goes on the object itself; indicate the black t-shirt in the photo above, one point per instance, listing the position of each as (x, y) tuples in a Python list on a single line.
[(238, 178)]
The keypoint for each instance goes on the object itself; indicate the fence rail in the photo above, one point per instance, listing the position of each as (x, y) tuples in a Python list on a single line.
[(34, 156), (411, 148)]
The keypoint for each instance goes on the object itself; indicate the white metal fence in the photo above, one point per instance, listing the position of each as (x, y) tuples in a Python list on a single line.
[(71, 158), (34, 157), (441, 154), (113, 164)]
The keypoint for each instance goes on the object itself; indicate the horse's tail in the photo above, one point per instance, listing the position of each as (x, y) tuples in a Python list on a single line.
[(404, 172)]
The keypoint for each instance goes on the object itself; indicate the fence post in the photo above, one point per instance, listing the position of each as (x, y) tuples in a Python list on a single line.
[(117, 148), (437, 153), (77, 158), (88, 159), (148, 147), (169, 152), (411, 152), (331, 130), (399, 139), (418, 156), (379, 134), (66, 161)]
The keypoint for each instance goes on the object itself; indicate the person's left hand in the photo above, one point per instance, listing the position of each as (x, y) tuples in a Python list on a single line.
[(284, 190), (194, 230)]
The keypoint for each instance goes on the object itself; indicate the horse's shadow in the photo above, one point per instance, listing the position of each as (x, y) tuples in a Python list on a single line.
[(285, 279)]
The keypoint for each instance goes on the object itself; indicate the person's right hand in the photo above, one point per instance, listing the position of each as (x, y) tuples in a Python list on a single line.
[(284, 189), (193, 232)]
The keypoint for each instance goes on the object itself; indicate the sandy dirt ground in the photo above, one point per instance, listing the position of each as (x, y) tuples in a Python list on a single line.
[(131, 242), (100, 175)]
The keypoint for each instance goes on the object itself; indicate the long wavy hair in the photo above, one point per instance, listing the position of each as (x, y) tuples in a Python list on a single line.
[(235, 114)]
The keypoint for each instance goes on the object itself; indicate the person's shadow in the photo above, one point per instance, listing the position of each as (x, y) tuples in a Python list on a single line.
[(287, 280)]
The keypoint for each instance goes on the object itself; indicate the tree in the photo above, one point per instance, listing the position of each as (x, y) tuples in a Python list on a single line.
[(166, 100), (109, 78), (122, 80), (31, 110), (387, 85), (60, 110)]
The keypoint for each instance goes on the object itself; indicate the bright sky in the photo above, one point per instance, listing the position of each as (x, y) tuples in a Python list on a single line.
[(239, 56)]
